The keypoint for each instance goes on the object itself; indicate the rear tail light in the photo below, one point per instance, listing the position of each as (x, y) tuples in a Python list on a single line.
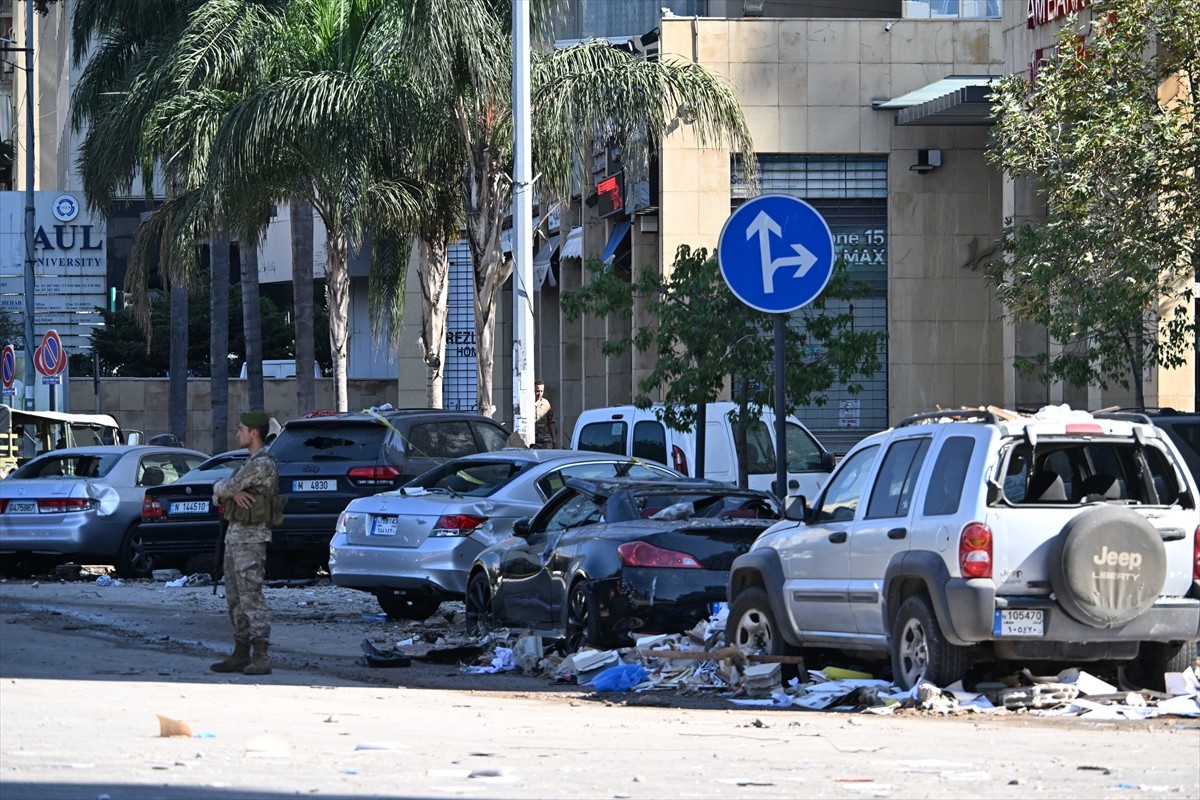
[(373, 476), (975, 551), (679, 460), (644, 554), (3, 505), (456, 525), (152, 509), (61, 504), (1195, 554)]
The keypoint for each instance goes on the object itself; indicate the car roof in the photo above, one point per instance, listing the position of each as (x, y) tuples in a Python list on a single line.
[(605, 487), (542, 455), (379, 417), (119, 449)]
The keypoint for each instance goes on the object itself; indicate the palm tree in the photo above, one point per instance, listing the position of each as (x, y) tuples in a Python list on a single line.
[(326, 122), (301, 222), (124, 46), (579, 93)]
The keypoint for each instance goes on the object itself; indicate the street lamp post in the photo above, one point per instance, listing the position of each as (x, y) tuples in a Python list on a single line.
[(29, 224)]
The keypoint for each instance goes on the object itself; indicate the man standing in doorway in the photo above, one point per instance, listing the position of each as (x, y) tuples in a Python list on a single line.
[(545, 434), (247, 497)]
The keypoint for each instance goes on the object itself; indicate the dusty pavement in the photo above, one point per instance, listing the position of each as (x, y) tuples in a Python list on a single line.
[(85, 669)]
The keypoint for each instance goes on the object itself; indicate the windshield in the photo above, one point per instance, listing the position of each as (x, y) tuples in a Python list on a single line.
[(78, 466), (473, 478)]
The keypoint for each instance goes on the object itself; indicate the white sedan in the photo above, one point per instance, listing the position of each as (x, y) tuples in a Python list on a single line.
[(84, 503), (413, 547)]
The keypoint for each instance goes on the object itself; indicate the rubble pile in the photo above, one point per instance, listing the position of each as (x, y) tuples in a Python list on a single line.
[(698, 662)]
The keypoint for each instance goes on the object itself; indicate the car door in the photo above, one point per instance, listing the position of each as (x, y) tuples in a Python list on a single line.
[(816, 558), (531, 595), (883, 529)]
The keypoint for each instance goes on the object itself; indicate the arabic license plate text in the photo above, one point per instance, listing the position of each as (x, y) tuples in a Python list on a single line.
[(1019, 622), (190, 507), (384, 526), (22, 506), (318, 485)]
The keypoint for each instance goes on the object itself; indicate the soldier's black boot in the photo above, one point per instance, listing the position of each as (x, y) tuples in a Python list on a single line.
[(261, 664), (237, 661)]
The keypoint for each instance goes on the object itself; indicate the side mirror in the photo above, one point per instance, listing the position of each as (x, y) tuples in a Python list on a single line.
[(521, 527), (133, 437), (795, 508), (827, 461)]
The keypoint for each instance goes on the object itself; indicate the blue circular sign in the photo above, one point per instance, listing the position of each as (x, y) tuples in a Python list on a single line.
[(776, 253)]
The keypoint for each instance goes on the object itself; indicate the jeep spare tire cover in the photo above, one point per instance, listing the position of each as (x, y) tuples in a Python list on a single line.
[(1107, 566)]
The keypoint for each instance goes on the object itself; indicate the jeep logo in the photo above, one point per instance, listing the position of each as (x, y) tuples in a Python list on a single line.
[(1112, 558)]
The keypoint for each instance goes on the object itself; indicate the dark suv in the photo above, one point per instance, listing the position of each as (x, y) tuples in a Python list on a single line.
[(327, 460)]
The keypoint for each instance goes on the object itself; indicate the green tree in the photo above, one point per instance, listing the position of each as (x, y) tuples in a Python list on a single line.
[(1109, 136), (464, 52), (705, 336)]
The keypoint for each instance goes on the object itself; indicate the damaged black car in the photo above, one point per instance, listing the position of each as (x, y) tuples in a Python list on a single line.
[(607, 560)]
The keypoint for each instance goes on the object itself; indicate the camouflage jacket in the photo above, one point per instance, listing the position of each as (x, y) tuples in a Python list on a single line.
[(259, 476)]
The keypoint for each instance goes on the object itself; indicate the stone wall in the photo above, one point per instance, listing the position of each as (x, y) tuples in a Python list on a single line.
[(140, 404)]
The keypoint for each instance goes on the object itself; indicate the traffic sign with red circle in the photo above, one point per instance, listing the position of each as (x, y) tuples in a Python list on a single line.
[(8, 366), (50, 358)]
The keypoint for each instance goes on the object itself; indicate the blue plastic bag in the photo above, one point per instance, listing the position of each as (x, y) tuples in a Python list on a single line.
[(620, 678)]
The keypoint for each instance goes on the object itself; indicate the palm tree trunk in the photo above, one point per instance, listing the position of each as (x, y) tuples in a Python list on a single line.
[(252, 324), (178, 404), (337, 291), (433, 269), (218, 337), (302, 290)]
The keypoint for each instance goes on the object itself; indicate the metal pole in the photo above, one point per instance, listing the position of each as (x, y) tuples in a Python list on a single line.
[(781, 487), (30, 342), (522, 214)]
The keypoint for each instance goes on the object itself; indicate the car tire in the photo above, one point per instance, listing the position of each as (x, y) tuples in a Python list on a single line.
[(1156, 658), (398, 606), (1114, 594), (920, 653), (132, 559), (583, 619), (480, 618), (751, 625)]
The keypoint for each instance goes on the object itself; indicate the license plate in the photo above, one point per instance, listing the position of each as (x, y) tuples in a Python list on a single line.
[(190, 507), (383, 526), (22, 506), (319, 485), (1019, 622)]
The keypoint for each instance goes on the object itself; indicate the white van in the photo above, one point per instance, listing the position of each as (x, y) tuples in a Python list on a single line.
[(628, 430)]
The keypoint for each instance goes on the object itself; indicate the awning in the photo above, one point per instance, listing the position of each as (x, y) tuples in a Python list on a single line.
[(541, 264), (573, 246), (620, 230), (955, 100)]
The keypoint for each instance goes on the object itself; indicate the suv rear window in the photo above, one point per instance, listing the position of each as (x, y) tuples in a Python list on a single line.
[(329, 442)]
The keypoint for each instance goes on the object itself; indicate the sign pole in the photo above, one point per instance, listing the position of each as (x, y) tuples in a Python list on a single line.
[(29, 225), (781, 487)]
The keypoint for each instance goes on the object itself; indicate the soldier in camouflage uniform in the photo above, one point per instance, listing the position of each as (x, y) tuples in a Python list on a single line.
[(244, 494)]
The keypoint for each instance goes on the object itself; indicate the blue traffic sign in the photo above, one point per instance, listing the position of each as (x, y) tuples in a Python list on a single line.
[(776, 253)]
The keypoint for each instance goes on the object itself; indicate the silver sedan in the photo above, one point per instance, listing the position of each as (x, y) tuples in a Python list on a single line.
[(85, 503), (413, 547)]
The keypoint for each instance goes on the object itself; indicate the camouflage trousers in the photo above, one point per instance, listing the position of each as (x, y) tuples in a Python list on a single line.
[(245, 564)]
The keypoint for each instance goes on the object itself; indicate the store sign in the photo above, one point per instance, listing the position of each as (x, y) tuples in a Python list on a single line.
[(1043, 12), (611, 195)]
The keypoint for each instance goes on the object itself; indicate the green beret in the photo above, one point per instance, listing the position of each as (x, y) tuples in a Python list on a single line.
[(255, 418)]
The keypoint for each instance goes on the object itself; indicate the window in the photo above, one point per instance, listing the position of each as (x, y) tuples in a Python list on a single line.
[(892, 495), (576, 510), (840, 501), (650, 441), (603, 437), (803, 452), (949, 476)]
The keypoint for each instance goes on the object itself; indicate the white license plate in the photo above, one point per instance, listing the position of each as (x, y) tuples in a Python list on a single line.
[(22, 506), (383, 526), (1019, 622), (190, 507), (319, 485)]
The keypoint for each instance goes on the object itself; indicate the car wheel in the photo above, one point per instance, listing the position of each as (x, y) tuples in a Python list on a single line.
[(204, 562), (1156, 658), (920, 654), (398, 606), (479, 604), (751, 625), (132, 560), (583, 620)]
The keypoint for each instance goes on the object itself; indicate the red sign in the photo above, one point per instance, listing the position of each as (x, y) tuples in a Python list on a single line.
[(8, 366), (610, 192), (50, 358), (1042, 12)]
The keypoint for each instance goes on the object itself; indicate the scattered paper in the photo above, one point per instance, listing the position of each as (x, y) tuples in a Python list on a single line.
[(172, 727)]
